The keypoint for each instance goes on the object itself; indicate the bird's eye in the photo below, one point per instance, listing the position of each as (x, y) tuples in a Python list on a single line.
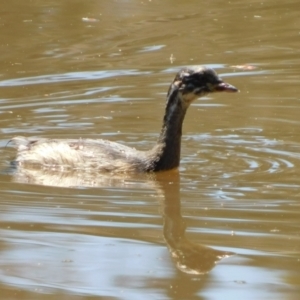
[(185, 79)]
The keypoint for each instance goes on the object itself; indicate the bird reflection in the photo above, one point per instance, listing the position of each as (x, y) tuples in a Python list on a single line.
[(188, 256)]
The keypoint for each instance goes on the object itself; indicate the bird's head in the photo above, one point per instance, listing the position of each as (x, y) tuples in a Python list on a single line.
[(196, 82)]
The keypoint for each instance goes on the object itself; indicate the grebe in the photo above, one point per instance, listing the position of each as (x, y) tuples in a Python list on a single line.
[(102, 155)]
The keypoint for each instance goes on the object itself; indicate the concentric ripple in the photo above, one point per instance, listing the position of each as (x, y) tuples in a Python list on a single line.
[(244, 151)]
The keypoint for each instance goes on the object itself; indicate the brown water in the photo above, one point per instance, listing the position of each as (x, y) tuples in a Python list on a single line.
[(101, 69)]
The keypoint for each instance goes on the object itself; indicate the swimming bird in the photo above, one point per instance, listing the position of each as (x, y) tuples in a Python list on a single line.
[(107, 156)]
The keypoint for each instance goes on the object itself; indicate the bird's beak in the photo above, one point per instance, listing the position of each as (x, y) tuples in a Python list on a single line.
[(225, 87)]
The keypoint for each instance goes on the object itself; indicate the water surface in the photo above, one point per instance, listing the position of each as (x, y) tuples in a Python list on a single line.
[(101, 70)]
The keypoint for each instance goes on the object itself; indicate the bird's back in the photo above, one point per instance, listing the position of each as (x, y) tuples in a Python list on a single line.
[(84, 154)]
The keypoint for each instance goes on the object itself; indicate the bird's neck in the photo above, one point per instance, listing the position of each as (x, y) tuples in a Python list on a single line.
[(169, 141)]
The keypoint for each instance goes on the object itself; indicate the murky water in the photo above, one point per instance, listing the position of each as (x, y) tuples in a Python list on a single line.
[(227, 226)]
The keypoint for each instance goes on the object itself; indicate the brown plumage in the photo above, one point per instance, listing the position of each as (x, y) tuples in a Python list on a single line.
[(102, 155)]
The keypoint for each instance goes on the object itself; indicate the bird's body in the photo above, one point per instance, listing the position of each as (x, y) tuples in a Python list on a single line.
[(88, 154), (106, 156)]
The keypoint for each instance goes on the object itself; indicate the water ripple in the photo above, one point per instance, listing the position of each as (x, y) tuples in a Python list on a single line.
[(72, 76), (244, 153)]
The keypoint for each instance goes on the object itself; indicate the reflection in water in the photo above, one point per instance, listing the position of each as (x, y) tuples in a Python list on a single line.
[(189, 257)]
